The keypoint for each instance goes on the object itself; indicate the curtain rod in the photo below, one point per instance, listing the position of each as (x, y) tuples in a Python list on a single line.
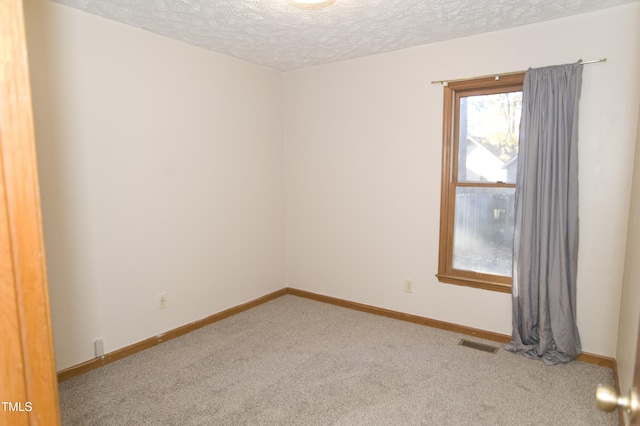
[(497, 76)]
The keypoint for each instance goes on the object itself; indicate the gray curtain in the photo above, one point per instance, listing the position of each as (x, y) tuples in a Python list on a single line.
[(546, 217)]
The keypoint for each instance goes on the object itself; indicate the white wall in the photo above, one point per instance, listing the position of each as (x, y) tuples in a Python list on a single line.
[(630, 301), (364, 159), (161, 168)]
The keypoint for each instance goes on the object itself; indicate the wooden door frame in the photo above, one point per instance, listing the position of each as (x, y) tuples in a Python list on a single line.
[(28, 385), (636, 374)]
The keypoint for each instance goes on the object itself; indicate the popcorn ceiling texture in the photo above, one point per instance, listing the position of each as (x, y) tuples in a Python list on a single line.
[(277, 35)]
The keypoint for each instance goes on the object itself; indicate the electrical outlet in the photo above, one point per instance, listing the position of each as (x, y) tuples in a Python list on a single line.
[(408, 286), (163, 300), (98, 345)]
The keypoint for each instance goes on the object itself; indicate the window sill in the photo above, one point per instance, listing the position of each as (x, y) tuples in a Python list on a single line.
[(468, 282)]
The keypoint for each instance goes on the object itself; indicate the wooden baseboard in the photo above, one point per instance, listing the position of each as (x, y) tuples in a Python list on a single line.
[(156, 340), (402, 316), (92, 364), (469, 331), (602, 361)]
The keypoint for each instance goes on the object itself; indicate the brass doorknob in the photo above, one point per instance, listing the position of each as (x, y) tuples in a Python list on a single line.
[(607, 399)]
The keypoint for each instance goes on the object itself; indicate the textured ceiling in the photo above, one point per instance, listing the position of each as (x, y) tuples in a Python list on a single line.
[(278, 35)]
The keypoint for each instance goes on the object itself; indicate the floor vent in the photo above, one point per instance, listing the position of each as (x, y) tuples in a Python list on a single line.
[(479, 346)]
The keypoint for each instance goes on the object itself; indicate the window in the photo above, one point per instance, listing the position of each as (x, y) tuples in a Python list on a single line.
[(479, 160)]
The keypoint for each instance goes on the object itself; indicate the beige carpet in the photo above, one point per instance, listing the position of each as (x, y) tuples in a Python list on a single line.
[(294, 361)]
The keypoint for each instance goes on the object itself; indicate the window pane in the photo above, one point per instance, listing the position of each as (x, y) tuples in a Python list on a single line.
[(483, 230), (488, 137)]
